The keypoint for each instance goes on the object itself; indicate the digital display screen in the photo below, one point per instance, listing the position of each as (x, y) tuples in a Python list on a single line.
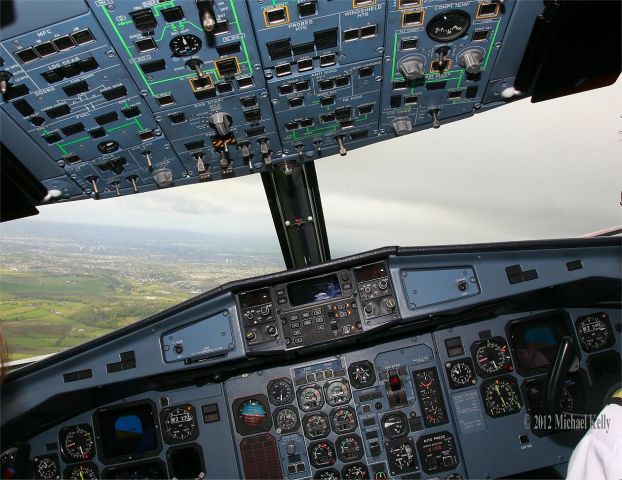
[(536, 340), (314, 290), (128, 431), (254, 298), (371, 272)]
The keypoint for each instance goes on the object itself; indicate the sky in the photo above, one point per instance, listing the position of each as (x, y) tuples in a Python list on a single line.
[(521, 171)]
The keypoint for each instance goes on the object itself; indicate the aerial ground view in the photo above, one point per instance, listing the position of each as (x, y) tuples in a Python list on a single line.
[(56, 291)]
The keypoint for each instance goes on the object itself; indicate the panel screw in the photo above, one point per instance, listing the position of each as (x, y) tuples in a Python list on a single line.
[(110, 6), (143, 93), (387, 59), (110, 53), (378, 78), (257, 66), (16, 42), (60, 163), (380, 50)]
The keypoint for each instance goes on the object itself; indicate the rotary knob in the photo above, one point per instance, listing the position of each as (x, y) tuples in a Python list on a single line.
[(221, 122), (367, 289), (412, 68), (369, 309), (402, 125), (265, 310), (383, 284), (471, 60), (390, 303), (251, 335), (272, 331)]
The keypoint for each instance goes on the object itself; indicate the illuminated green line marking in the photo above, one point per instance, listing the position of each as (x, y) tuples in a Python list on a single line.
[(442, 80), (394, 54), (237, 23), (163, 30), (460, 79), (188, 75), (116, 30), (492, 44), (195, 26), (81, 139)]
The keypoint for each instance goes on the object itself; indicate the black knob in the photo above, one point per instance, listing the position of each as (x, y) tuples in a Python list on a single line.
[(272, 331), (369, 309), (265, 310)]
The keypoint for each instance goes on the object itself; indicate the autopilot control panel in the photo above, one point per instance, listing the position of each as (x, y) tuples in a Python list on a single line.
[(113, 97)]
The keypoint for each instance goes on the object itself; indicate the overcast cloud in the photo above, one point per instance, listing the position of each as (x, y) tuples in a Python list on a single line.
[(517, 172)]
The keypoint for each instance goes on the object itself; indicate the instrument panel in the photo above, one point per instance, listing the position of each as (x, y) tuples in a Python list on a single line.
[(121, 97), (421, 405), (428, 396)]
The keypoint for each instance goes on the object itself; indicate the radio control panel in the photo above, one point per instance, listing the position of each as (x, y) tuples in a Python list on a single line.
[(318, 309)]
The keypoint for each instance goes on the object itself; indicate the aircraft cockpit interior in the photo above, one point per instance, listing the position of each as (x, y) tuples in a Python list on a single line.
[(466, 361)]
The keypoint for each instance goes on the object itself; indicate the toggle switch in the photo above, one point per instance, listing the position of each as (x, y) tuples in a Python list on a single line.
[(436, 123), (342, 148), (132, 179)]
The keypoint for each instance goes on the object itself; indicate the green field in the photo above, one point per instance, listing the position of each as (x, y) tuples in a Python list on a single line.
[(42, 313)]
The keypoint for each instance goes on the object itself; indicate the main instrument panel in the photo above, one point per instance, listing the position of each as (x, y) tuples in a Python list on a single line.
[(118, 97), (418, 388)]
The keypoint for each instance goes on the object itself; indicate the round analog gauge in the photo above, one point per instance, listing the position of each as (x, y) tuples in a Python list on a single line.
[(343, 420), (280, 391), (252, 412), (492, 357), (286, 420), (448, 26), (82, 471), (328, 474), (461, 373), (322, 454), (595, 332), (316, 426), (185, 45), (349, 448), (338, 392), (179, 424), (394, 425), (77, 443), (356, 471), (434, 414), (362, 374), (501, 397), (46, 467), (310, 398)]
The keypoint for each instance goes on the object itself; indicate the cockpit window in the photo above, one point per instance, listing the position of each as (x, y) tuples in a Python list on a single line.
[(82, 269), (525, 171)]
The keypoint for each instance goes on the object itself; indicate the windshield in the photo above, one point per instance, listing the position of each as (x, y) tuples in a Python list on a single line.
[(522, 171), (525, 171), (82, 269)]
